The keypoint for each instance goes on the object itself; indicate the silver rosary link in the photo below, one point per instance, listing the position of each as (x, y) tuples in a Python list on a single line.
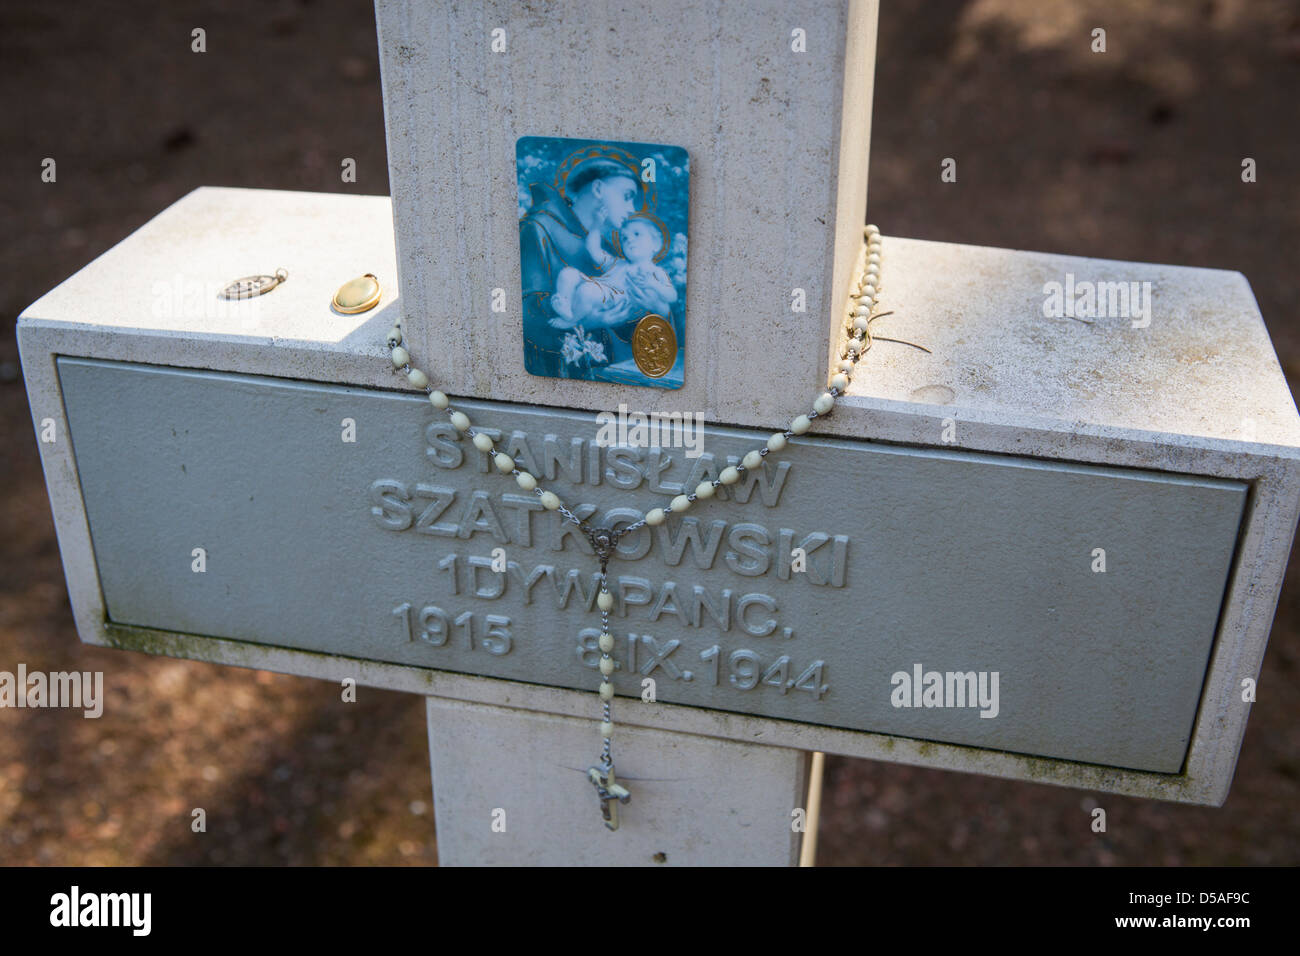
[(607, 724), (604, 541)]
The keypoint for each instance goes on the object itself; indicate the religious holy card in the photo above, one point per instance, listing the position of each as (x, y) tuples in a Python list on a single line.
[(602, 254)]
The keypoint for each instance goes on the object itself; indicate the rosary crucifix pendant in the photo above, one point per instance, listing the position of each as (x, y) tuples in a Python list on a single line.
[(611, 794)]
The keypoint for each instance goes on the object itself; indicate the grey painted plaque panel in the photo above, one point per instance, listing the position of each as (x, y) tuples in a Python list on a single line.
[(382, 549)]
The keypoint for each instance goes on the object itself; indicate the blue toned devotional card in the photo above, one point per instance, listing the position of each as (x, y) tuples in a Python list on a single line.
[(602, 254)]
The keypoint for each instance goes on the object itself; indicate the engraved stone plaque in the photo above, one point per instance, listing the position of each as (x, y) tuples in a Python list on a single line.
[(834, 587)]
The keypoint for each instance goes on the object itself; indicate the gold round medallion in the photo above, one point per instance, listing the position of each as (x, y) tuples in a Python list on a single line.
[(358, 295), (654, 346)]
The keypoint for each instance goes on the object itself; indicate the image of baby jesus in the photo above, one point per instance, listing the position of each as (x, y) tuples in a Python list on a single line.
[(633, 283)]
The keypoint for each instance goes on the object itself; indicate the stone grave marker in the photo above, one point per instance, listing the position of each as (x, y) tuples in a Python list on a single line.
[(1045, 549)]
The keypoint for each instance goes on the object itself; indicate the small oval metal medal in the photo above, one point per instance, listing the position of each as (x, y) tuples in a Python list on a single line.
[(250, 286), (654, 346)]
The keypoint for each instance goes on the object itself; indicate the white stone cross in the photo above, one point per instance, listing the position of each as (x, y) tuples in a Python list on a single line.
[(1045, 549)]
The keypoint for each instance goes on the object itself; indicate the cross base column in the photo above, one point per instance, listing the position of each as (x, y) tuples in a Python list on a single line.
[(510, 787)]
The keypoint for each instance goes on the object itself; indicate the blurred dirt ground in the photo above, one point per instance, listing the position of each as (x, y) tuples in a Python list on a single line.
[(1131, 154)]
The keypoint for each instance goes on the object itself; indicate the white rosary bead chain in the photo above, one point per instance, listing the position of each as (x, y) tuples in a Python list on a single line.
[(862, 304)]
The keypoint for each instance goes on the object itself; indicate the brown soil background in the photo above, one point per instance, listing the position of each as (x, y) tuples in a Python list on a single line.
[(1131, 154)]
